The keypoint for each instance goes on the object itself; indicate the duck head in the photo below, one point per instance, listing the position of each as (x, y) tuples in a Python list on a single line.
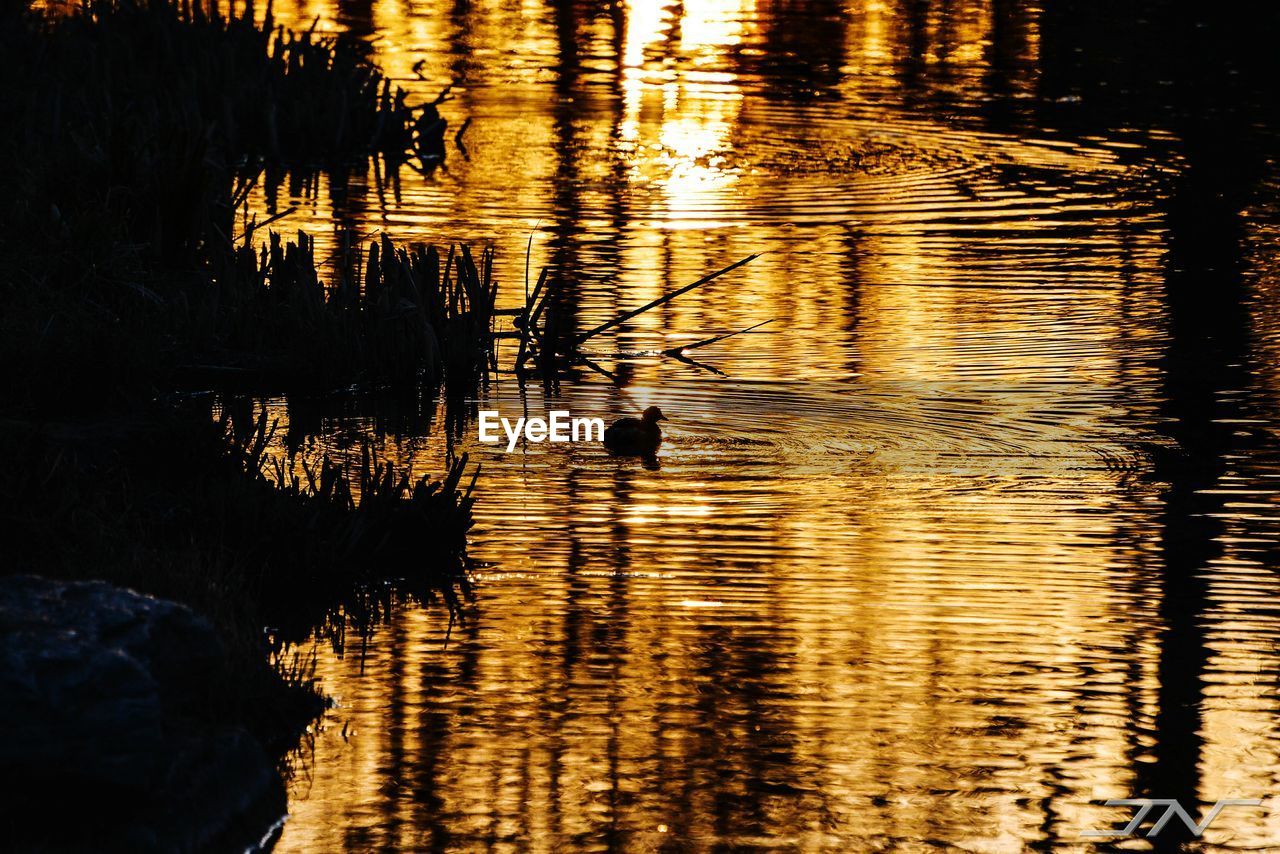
[(653, 415)]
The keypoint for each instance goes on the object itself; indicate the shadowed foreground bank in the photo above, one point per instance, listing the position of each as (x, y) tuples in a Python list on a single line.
[(112, 708)]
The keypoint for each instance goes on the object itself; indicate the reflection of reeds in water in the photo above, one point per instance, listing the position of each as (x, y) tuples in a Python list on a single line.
[(189, 509), (370, 521), (359, 536)]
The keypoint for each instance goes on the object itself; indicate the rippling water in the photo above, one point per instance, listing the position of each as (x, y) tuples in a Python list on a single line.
[(915, 571)]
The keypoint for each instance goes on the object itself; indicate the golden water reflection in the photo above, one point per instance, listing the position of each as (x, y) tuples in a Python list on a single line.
[(899, 583)]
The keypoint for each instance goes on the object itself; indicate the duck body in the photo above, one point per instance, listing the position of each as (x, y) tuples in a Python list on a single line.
[(635, 437)]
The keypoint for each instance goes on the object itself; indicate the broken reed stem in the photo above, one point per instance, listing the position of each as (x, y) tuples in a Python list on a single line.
[(625, 316), (676, 351), (253, 225), (538, 343)]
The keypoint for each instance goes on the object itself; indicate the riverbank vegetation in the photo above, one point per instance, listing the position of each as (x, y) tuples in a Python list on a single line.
[(134, 132)]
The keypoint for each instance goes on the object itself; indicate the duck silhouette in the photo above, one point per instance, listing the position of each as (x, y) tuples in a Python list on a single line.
[(635, 437)]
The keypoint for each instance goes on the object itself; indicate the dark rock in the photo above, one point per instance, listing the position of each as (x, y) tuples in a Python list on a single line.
[(107, 739)]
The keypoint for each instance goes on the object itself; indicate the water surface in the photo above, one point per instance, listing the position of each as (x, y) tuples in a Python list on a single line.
[(915, 571)]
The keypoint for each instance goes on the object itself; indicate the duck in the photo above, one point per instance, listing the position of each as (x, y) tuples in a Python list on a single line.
[(635, 437)]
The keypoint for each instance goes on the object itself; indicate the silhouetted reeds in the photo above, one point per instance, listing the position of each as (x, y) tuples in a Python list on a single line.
[(394, 316), (134, 131), (139, 127), (135, 115)]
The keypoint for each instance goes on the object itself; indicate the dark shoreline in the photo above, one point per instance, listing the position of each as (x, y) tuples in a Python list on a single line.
[(138, 131)]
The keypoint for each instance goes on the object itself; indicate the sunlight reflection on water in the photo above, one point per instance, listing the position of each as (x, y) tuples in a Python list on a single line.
[(898, 582)]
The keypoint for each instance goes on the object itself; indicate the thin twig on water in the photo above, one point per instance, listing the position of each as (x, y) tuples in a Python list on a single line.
[(676, 351), (625, 316)]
